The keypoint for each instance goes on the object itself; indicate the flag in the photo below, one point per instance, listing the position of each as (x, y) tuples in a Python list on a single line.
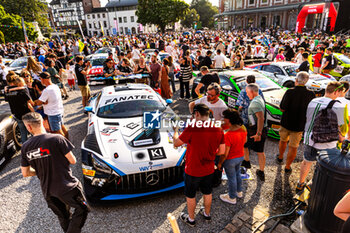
[(81, 46), (103, 33)]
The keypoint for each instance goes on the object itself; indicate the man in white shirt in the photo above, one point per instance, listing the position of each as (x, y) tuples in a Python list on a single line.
[(135, 53), (212, 100), (219, 60), (259, 51), (53, 106), (333, 91)]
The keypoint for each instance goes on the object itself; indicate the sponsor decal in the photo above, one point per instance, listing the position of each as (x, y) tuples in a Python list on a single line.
[(152, 179), (143, 142), (38, 153), (152, 120), (150, 167), (131, 125), (156, 153), (128, 98), (112, 140), (108, 131)]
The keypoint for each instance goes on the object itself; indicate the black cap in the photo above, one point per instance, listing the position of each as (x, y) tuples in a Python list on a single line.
[(44, 75)]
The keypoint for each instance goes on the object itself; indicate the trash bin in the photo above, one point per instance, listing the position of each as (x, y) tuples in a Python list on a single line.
[(330, 182)]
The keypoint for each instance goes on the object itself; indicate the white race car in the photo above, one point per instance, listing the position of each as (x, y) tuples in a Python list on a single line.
[(284, 73), (124, 157)]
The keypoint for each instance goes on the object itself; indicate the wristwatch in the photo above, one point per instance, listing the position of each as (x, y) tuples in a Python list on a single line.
[(259, 133)]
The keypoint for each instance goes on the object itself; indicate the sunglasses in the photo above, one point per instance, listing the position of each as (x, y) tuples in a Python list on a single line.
[(338, 87)]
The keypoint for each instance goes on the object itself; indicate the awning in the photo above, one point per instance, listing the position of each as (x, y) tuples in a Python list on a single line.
[(260, 10)]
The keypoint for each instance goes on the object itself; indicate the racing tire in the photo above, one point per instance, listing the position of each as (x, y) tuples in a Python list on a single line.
[(16, 135), (289, 84)]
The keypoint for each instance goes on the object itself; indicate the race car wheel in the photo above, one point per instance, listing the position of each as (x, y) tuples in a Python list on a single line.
[(289, 84), (17, 135)]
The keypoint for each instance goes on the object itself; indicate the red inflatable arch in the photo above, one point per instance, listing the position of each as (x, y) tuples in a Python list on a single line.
[(315, 9)]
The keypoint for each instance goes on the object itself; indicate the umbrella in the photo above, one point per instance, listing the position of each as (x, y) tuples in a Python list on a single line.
[(199, 31), (186, 33)]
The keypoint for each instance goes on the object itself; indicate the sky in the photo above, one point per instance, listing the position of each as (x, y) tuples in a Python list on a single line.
[(214, 2)]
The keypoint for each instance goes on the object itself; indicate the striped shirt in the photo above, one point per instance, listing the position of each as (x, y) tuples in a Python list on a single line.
[(313, 108), (186, 72)]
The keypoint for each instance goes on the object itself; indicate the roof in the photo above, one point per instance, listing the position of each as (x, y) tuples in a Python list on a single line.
[(121, 3), (57, 2), (98, 10)]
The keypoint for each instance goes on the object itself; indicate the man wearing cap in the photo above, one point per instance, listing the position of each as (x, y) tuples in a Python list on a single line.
[(203, 144), (53, 107)]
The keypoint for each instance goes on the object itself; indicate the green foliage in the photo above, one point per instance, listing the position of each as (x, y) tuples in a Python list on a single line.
[(161, 12), (190, 17), (2, 38), (13, 34), (206, 12), (30, 10)]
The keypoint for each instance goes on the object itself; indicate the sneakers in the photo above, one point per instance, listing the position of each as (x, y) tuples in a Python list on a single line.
[(226, 198), (300, 187), (260, 174), (202, 212), (278, 160), (239, 194), (185, 218), (288, 171), (246, 164)]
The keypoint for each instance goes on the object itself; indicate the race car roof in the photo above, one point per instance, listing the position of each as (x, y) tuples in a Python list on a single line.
[(126, 88)]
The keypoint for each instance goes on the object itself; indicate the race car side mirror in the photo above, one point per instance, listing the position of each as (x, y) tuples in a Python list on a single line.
[(168, 101), (88, 109), (227, 88)]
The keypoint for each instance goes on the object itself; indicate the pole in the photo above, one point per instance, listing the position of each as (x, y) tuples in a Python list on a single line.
[(24, 32), (81, 31)]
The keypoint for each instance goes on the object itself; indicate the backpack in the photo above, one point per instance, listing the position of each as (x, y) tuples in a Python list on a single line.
[(325, 128), (334, 63)]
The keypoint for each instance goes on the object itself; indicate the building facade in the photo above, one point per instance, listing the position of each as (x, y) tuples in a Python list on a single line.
[(67, 13), (97, 21), (236, 14)]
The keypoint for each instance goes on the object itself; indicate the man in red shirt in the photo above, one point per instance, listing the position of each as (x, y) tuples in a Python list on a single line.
[(203, 144), (318, 60)]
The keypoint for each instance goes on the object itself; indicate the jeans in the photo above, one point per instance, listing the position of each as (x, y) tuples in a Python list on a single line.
[(233, 173), (184, 85), (172, 81), (22, 129)]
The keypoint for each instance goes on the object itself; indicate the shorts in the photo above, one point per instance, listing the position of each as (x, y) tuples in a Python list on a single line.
[(317, 70), (71, 82), (256, 146), (293, 137), (55, 122), (192, 183), (85, 91), (310, 153)]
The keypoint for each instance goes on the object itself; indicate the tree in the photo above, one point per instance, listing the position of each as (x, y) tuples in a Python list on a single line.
[(190, 17), (13, 31), (161, 12), (206, 12), (30, 10)]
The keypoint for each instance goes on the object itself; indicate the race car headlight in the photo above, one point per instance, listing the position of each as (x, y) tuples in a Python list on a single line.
[(100, 166)]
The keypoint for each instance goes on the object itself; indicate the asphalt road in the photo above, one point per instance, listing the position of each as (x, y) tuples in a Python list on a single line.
[(23, 208)]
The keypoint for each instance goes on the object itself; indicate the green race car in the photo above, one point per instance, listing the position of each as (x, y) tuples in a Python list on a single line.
[(232, 82), (342, 69)]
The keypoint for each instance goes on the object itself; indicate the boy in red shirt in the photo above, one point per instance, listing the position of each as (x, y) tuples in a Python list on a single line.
[(203, 144), (318, 60)]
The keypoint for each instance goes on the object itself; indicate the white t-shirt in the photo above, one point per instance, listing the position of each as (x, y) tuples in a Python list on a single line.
[(219, 61), (313, 108), (52, 95), (216, 108), (135, 54), (299, 58)]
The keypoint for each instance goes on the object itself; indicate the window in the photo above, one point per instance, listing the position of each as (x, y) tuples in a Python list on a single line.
[(98, 15), (104, 24), (120, 20), (263, 1), (251, 2), (121, 30), (132, 19), (93, 16), (125, 20), (273, 69), (276, 20), (88, 16), (103, 15), (126, 30), (89, 25)]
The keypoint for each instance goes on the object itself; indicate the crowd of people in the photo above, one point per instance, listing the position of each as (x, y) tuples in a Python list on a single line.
[(36, 101)]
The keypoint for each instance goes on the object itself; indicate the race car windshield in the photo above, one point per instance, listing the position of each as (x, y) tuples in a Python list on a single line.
[(98, 61), (19, 62), (291, 70), (103, 50), (134, 108), (265, 84), (344, 59)]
